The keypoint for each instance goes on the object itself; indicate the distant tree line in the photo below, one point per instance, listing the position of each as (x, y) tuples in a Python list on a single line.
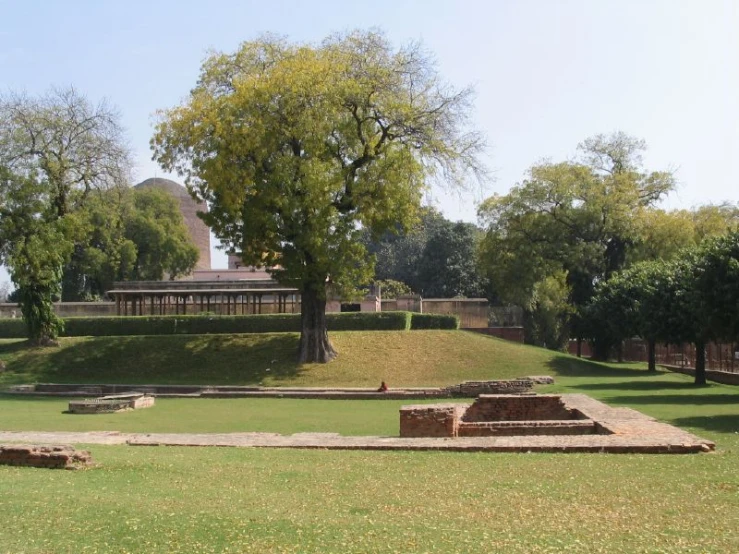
[(570, 226), (435, 258), (691, 298)]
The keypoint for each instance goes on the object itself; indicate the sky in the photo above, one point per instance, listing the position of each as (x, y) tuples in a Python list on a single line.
[(547, 73)]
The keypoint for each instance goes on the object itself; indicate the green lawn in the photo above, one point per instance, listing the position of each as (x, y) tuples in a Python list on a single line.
[(415, 358), (165, 499)]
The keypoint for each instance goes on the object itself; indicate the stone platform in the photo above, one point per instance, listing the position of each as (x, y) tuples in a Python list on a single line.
[(111, 404)]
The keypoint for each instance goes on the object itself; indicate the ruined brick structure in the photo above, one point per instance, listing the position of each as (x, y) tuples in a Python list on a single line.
[(52, 457)]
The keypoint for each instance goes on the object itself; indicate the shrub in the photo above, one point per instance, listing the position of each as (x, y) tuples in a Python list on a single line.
[(434, 321), (11, 328), (213, 324)]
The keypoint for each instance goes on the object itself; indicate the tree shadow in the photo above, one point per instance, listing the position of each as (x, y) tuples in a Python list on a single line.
[(685, 399), (717, 423), (640, 386), (16, 346), (182, 359), (577, 367)]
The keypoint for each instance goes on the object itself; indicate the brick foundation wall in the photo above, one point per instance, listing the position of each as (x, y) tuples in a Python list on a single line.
[(518, 408), (426, 420), (52, 457)]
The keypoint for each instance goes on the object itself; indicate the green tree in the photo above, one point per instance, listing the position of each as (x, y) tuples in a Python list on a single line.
[(581, 218), (398, 251), (127, 234), (448, 267), (637, 301), (298, 147), (54, 151)]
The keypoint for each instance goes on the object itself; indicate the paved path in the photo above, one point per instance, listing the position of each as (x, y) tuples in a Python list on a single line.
[(678, 443)]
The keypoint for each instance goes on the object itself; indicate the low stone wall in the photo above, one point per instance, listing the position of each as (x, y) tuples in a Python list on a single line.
[(111, 404), (526, 428), (52, 457), (723, 377), (473, 389), (437, 420)]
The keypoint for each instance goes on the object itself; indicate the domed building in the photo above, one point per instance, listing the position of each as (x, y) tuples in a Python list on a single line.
[(198, 230)]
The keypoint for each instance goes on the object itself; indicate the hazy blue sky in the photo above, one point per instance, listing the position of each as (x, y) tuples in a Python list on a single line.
[(548, 73)]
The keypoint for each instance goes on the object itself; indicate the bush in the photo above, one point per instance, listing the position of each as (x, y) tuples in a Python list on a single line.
[(434, 321), (11, 328), (368, 321), (214, 324)]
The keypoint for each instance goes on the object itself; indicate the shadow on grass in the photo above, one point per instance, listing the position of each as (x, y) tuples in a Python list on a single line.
[(639, 385), (718, 423), (14, 346), (577, 367), (180, 359), (685, 399)]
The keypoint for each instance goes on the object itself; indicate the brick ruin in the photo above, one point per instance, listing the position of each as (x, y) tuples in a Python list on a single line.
[(51, 457), (498, 415)]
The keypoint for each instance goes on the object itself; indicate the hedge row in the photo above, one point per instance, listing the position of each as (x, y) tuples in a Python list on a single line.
[(434, 321), (204, 324), (210, 324)]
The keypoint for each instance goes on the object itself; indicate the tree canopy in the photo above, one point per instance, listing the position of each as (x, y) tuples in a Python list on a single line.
[(126, 234), (55, 150), (582, 217), (435, 258), (297, 148)]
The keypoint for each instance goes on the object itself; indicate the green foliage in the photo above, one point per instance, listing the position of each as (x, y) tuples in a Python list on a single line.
[(547, 317), (209, 324), (389, 288), (54, 151), (435, 257), (127, 234), (581, 218), (434, 321), (296, 148)]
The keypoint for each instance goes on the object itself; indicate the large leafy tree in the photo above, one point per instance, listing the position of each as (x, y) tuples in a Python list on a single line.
[(435, 257), (581, 217), (296, 148), (127, 234), (54, 151)]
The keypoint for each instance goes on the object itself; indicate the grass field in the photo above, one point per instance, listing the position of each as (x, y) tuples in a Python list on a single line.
[(365, 359), (164, 499)]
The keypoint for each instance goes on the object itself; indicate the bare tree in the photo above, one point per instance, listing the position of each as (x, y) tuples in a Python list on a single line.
[(69, 142)]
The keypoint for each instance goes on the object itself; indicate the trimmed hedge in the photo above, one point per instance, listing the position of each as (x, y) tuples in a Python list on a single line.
[(212, 324), (11, 328), (434, 321)]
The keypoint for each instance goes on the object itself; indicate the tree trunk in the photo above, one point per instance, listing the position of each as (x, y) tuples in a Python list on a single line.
[(652, 355), (579, 347), (700, 363), (620, 352), (314, 343)]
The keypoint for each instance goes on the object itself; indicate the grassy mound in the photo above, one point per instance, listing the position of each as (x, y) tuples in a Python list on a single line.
[(420, 358)]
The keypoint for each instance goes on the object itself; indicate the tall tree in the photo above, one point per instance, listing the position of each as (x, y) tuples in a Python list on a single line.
[(296, 147), (54, 151), (448, 264), (582, 218), (127, 234)]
